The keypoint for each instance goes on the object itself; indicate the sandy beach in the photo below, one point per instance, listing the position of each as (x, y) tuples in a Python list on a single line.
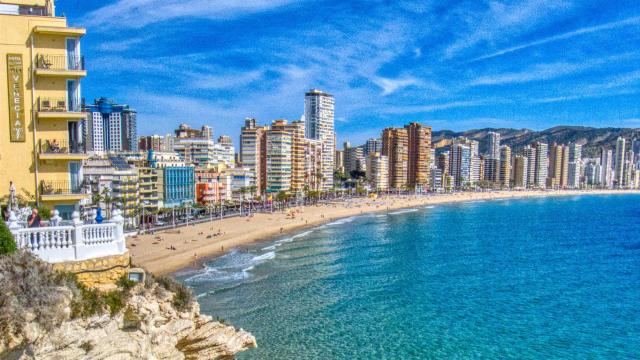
[(171, 250)]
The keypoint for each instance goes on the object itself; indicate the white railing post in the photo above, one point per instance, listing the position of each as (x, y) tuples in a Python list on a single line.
[(78, 239), (14, 227), (118, 232)]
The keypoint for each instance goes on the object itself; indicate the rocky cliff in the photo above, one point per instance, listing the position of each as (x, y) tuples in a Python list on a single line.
[(148, 327)]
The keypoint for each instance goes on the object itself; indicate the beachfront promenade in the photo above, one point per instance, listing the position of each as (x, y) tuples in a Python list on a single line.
[(73, 241)]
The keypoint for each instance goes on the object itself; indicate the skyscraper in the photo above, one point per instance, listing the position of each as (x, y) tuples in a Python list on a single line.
[(494, 145), (541, 164), (296, 129), (460, 164), (372, 145), (279, 159), (520, 171), (395, 145), (419, 146), (110, 127), (575, 165), (529, 152), (253, 152), (558, 166), (619, 162), (606, 162), (319, 125), (505, 166)]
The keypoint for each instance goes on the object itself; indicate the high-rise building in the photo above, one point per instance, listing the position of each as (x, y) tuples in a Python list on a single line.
[(607, 173), (443, 162), (110, 127), (541, 164), (505, 166), (354, 159), (529, 152), (619, 163), (279, 157), (40, 138), (378, 171), (395, 146), (520, 171), (494, 145), (339, 161), (319, 125), (575, 165), (253, 152), (558, 175), (372, 145), (419, 141), (296, 129), (460, 164)]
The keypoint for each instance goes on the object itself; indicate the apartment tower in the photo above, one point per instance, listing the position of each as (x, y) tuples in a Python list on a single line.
[(395, 146), (319, 125)]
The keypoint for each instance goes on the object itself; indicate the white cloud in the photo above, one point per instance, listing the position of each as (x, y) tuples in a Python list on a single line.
[(389, 86), (536, 73), (501, 20), (435, 107), (633, 21), (140, 13)]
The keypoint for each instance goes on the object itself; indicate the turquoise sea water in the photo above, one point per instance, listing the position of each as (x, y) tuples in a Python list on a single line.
[(527, 279)]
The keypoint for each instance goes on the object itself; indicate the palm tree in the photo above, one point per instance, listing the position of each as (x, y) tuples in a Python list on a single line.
[(108, 199)]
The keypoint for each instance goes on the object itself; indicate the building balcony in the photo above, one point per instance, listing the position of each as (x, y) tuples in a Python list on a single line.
[(61, 190), (54, 149), (60, 66), (61, 31), (59, 108)]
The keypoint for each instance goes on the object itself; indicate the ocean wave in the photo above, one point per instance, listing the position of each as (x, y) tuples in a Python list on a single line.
[(429, 207), (403, 211), (341, 221), (265, 256)]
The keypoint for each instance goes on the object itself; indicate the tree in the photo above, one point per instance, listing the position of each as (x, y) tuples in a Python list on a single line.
[(7, 244), (106, 197)]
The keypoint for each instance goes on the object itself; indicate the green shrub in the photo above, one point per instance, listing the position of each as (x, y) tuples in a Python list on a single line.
[(126, 284), (44, 212), (182, 298), (7, 244), (115, 301)]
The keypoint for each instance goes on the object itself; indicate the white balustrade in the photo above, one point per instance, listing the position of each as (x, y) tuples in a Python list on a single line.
[(71, 243)]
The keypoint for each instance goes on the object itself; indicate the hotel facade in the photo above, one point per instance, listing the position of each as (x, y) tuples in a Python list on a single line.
[(41, 147)]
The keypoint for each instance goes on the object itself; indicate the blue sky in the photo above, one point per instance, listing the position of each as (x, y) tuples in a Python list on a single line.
[(452, 65)]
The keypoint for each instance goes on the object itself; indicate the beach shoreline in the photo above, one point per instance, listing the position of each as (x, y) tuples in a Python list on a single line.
[(189, 247)]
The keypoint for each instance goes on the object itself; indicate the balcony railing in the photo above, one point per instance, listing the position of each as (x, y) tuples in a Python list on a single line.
[(46, 104), (55, 146), (73, 242), (61, 187), (60, 62)]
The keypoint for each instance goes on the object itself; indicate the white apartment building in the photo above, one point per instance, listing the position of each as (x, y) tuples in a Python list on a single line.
[(319, 125)]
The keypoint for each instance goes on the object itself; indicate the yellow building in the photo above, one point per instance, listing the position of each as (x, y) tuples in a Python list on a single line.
[(41, 150)]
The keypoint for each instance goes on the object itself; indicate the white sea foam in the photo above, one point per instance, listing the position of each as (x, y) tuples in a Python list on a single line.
[(429, 207), (265, 256), (403, 211), (341, 221)]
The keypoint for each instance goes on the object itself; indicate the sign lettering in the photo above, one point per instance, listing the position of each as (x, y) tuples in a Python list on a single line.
[(16, 98)]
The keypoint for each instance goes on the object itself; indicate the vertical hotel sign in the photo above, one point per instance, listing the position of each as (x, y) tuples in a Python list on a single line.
[(16, 98)]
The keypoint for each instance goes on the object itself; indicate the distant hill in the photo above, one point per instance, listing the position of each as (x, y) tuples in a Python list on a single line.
[(592, 139)]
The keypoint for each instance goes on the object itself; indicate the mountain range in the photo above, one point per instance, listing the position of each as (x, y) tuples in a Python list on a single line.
[(591, 139)]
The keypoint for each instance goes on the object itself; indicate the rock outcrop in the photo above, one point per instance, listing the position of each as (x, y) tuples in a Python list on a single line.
[(149, 327)]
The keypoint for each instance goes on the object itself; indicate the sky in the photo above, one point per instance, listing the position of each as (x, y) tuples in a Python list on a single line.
[(449, 64)]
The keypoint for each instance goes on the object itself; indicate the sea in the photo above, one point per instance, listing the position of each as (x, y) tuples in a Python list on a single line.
[(541, 278)]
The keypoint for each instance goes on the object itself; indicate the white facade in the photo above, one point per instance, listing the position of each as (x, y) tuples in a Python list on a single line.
[(319, 125)]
